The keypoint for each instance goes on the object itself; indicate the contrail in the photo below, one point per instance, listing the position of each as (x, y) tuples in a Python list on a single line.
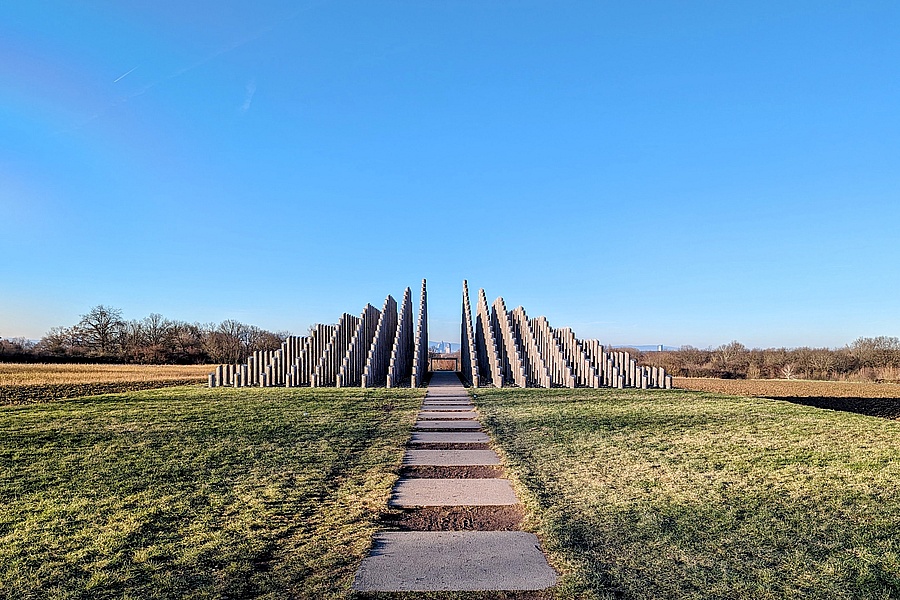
[(116, 80), (237, 44)]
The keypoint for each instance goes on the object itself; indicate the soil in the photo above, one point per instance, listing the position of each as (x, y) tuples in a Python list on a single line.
[(37, 393), (450, 446), (790, 388), (457, 518), (872, 399)]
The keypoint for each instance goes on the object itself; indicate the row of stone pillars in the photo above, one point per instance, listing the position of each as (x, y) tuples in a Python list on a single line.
[(377, 348), (507, 348)]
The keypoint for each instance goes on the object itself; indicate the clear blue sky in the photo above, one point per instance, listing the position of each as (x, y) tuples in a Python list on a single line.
[(645, 172)]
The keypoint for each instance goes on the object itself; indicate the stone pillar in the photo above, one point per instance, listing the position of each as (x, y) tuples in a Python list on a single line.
[(375, 371), (574, 355), (400, 363), (553, 350), (420, 363), (486, 341), (212, 380), (468, 352), (511, 360), (536, 368), (328, 364), (354, 361)]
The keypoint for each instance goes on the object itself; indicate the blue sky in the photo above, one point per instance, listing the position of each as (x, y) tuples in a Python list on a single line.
[(644, 172)]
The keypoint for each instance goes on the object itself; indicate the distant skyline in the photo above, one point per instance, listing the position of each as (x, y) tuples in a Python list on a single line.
[(645, 172)]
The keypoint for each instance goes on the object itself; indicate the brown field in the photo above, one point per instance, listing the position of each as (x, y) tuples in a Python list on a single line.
[(46, 374), (781, 388), (872, 399), (29, 383)]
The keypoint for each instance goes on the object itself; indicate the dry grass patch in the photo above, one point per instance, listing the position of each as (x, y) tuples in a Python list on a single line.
[(37, 383), (16, 374)]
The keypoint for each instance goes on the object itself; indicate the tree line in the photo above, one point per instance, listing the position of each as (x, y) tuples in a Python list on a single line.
[(866, 359), (102, 335)]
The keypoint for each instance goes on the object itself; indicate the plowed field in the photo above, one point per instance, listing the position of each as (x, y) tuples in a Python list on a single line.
[(873, 399), (29, 383)]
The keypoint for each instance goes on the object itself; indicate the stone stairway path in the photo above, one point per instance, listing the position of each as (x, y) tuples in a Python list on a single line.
[(457, 521)]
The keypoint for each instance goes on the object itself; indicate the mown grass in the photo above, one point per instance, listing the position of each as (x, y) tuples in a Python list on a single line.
[(196, 493), (675, 494)]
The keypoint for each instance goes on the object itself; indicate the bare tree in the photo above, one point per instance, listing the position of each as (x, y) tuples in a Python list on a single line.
[(100, 330), (733, 359)]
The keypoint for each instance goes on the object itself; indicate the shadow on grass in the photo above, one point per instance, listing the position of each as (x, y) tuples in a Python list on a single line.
[(886, 408)]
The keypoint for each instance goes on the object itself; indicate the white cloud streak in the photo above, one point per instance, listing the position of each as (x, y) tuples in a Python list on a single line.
[(248, 98), (123, 76)]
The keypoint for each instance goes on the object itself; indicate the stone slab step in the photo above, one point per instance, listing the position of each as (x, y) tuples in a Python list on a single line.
[(449, 425), (434, 415), (448, 437), (412, 492), (447, 407), (450, 458), (421, 561)]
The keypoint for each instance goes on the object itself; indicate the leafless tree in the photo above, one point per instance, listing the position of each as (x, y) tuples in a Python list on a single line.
[(101, 329)]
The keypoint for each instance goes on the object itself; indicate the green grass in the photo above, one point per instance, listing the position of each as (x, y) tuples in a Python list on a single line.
[(673, 494), (196, 493)]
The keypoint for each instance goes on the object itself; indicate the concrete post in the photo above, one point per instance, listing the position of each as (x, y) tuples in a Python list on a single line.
[(468, 351), (486, 341), (375, 371), (400, 363), (351, 369), (511, 359), (420, 363)]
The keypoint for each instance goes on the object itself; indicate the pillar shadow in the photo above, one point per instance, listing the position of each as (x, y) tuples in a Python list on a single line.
[(886, 408)]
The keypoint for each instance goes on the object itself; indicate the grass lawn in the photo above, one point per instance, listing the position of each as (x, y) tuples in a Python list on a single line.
[(196, 493), (676, 494)]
